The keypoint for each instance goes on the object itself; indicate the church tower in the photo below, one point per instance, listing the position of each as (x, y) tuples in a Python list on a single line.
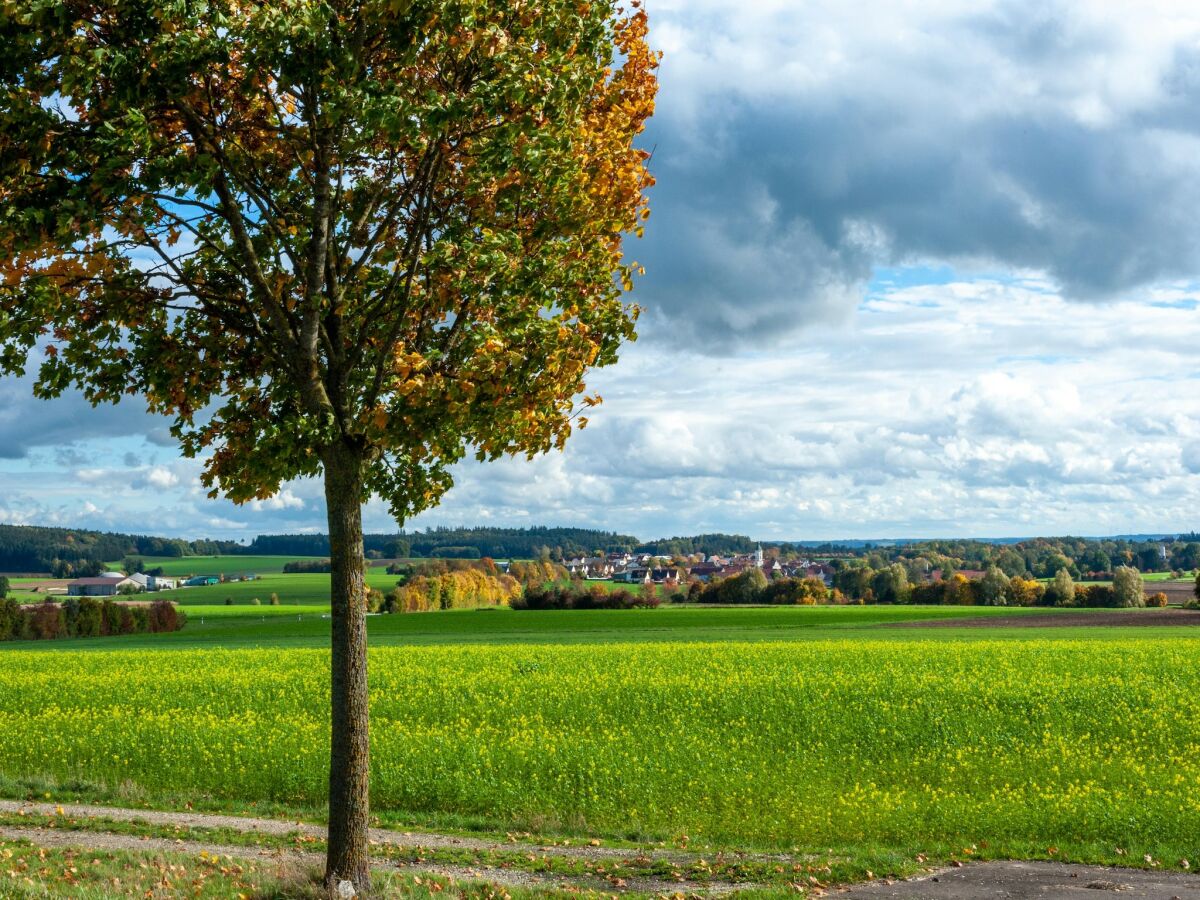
[(758, 556)]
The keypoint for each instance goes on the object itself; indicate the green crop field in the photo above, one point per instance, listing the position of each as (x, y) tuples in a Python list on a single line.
[(780, 743), (780, 727)]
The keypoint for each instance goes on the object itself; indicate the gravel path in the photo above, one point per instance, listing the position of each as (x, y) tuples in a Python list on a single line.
[(97, 839), (249, 824)]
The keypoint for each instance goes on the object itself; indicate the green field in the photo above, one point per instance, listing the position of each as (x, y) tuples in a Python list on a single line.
[(779, 727), (214, 565)]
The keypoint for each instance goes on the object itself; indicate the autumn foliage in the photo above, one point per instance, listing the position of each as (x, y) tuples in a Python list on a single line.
[(468, 588)]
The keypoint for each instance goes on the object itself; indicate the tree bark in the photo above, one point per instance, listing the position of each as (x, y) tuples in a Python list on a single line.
[(347, 857)]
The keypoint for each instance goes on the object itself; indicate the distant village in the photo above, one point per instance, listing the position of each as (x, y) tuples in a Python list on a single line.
[(644, 568)]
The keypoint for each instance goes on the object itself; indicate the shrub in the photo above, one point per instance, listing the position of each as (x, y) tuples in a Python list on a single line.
[(229, 601), (255, 602), (162, 616), (89, 621), (46, 621), (1158, 600), (85, 617), (11, 620), (1094, 595), (274, 601), (745, 587), (578, 596)]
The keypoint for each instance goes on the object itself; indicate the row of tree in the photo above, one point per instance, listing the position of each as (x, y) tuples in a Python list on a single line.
[(574, 595), (86, 617), (995, 588), (752, 586), (467, 588)]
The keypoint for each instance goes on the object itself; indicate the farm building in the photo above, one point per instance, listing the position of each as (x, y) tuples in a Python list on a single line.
[(202, 580), (154, 582), (104, 586)]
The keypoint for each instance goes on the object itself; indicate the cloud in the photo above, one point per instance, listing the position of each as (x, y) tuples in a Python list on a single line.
[(285, 499), (161, 478), (66, 423), (798, 146)]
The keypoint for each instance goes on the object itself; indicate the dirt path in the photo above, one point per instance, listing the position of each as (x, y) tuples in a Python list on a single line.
[(1029, 880), (251, 825), (512, 877)]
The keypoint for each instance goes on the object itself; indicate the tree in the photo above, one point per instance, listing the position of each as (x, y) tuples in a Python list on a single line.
[(1127, 587), (1149, 559), (1061, 591), (1025, 592), (890, 584), (3, 586), (335, 239), (1010, 562), (131, 565), (993, 588)]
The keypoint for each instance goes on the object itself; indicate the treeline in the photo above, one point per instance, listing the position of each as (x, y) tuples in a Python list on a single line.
[(518, 543), (457, 543), (308, 567), (1044, 557), (534, 571), (752, 586), (466, 588), (574, 595), (71, 552), (862, 584), (708, 544), (85, 617)]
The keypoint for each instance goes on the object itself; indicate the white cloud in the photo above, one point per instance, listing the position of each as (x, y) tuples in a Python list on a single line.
[(285, 499), (161, 478)]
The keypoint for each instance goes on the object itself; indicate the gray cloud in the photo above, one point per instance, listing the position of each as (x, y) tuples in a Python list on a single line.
[(27, 422), (992, 137)]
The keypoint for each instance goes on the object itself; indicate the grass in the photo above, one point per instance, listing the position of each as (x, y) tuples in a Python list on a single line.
[(28, 871), (307, 626), (178, 566), (815, 728), (293, 590)]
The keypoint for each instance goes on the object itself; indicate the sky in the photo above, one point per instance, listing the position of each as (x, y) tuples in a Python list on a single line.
[(915, 268)]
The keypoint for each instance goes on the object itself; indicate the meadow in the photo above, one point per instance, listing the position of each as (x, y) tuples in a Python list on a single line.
[(783, 727)]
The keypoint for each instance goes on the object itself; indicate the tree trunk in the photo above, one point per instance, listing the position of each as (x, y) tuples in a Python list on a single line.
[(349, 753)]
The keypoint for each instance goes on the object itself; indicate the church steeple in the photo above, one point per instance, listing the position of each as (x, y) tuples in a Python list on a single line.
[(758, 556)]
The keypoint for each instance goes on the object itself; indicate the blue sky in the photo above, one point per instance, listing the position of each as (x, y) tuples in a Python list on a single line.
[(921, 268)]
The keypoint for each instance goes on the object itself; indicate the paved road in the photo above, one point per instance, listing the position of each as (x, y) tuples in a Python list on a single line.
[(1033, 881)]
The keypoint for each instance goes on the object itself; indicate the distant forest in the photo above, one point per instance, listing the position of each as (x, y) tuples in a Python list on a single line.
[(71, 552)]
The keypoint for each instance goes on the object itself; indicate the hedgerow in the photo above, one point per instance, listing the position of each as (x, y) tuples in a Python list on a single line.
[(78, 617)]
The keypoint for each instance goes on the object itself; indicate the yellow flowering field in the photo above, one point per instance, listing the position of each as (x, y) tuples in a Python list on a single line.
[(808, 743)]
